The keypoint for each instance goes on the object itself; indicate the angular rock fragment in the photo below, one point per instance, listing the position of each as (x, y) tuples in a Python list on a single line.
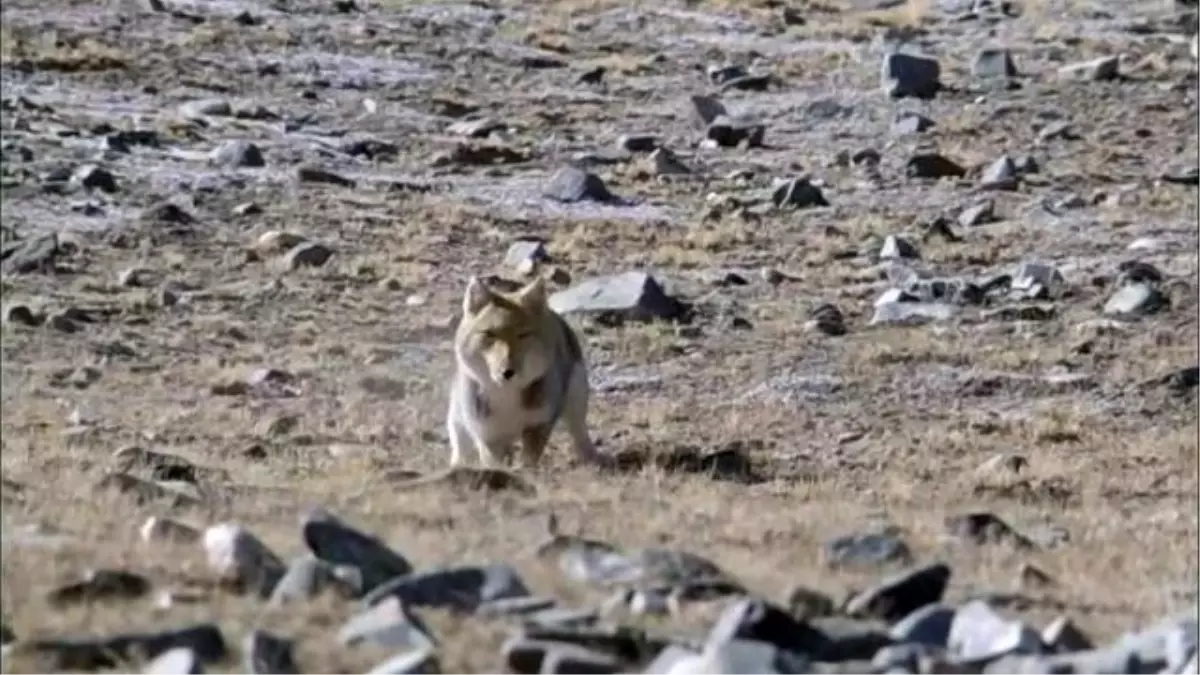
[(635, 296), (909, 75), (461, 589), (337, 543)]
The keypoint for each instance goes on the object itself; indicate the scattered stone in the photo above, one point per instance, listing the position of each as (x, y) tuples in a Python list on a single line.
[(314, 174), (983, 527), (461, 589), (267, 653), (828, 319), (175, 661), (417, 662), (797, 193), (731, 132), (1096, 70), (932, 165), (635, 296), (979, 633), (204, 641), (1136, 300), (906, 312), (928, 625), (241, 560), (337, 543), (1034, 280), (638, 143), (570, 185), (387, 623), (992, 63), (167, 212), (908, 75), (663, 162), (307, 576), (98, 586), (978, 214), (901, 594), (22, 315), (478, 128), (205, 107), (999, 175), (92, 177), (31, 255), (166, 529), (307, 254), (908, 122), (237, 154), (872, 548), (898, 248), (1063, 636), (704, 110), (805, 603)]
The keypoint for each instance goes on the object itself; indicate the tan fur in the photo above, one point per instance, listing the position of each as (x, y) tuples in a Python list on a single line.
[(519, 369)]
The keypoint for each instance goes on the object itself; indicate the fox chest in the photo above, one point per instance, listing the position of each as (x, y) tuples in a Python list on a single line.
[(508, 412)]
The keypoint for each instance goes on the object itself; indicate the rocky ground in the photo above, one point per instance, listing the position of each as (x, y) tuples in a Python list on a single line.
[(891, 310)]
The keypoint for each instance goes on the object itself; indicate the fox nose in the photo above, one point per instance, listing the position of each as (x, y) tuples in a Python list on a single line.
[(508, 374)]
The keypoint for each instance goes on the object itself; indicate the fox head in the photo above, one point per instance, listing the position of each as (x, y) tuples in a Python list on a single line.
[(502, 336)]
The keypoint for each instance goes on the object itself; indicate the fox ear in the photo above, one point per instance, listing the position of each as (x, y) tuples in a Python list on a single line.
[(533, 296), (476, 297)]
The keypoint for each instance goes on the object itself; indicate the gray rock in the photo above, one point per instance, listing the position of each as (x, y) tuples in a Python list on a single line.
[(416, 662), (518, 606), (641, 142), (1136, 300), (1062, 635), (979, 633), (237, 154), (899, 595), (932, 165), (176, 661), (757, 620), (978, 214), (205, 107), (566, 617), (872, 548), (896, 247), (673, 659), (1107, 661), (1169, 643), (984, 527), (928, 625), (1096, 70), (310, 173), (93, 177), (1064, 131), (826, 318), (730, 132), (719, 75), (203, 640), (797, 193), (338, 543), (307, 576), (909, 75), (571, 184), (524, 251), (908, 122), (633, 296), (910, 313), (241, 560), (387, 623), (999, 175), (703, 110), (567, 658), (993, 63), (902, 658), (36, 254), (99, 585), (663, 162), (1037, 280), (307, 254), (478, 128), (267, 653), (457, 588), (750, 656)]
